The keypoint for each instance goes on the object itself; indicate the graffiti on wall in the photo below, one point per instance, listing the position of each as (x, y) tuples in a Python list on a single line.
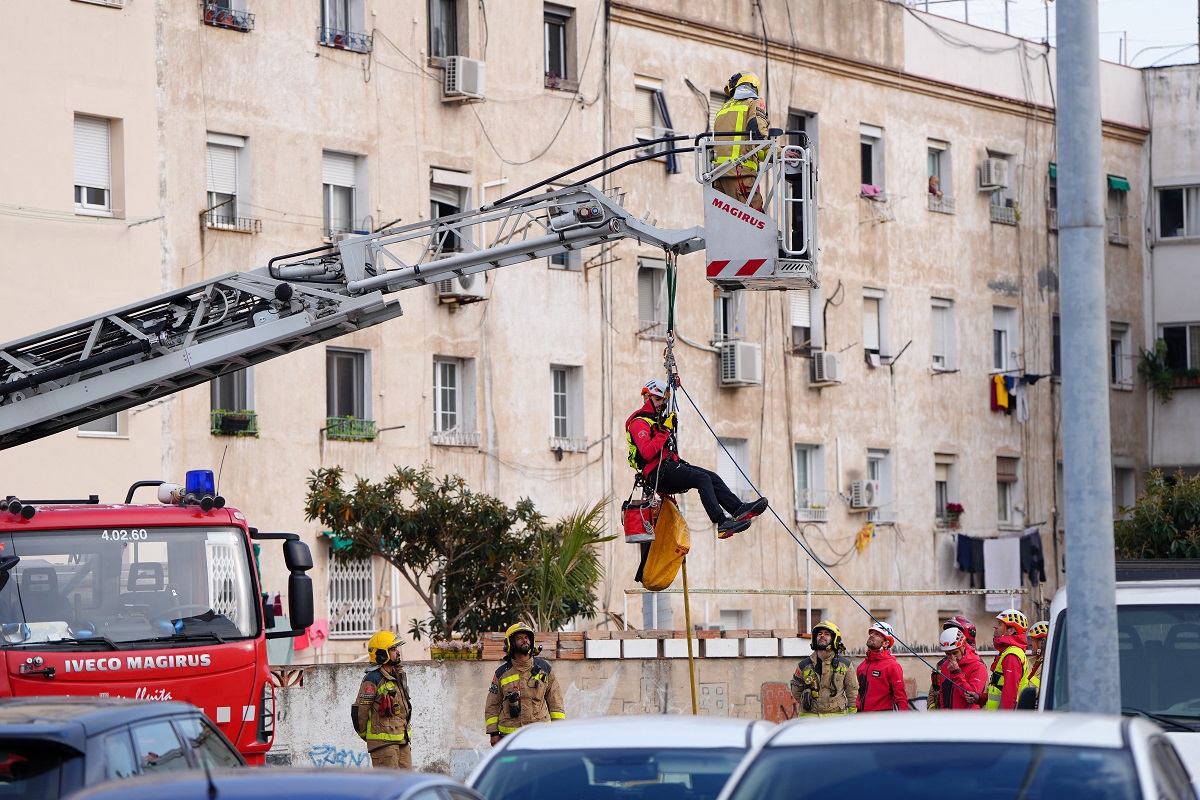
[(328, 755)]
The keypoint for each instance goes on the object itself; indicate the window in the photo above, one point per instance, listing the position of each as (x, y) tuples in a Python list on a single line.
[(806, 620), (1052, 198), (1056, 347), (945, 484), (1004, 339), (728, 463), (1118, 212), (1006, 489), (875, 325), (882, 614), (343, 25), (443, 28), (351, 597), (158, 748), (117, 758), (802, 338), (231, 14), (448, 196), (810, 484), (716, 101), (566, 412), (232, 404), (940, 187), (1124, 490), (93, 174), (557, 28), (1002, 204), (1120, 358), (1183, 346), (225, 161), (879, 468), (111, 425), (344, 179), (729, 316), (736, 619), (871, 150), (1179, 212), (651, 119), (570, 261), (210, 751), (942, 339), (454, 402), (806, 123), (652, 296), (346, 384)]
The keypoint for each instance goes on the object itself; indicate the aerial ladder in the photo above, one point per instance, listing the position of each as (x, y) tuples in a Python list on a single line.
[(73, 374)]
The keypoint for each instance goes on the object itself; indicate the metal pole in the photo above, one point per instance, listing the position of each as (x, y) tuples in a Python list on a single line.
[(1093, 672), (687, 620), (808, 595)]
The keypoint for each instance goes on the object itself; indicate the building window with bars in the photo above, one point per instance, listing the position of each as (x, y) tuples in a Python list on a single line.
[(351, 592)]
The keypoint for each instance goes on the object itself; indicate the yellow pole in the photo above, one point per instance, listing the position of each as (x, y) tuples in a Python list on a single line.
[(687, 619)]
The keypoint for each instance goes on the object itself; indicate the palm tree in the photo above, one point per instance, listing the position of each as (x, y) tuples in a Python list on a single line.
[(565, 570)]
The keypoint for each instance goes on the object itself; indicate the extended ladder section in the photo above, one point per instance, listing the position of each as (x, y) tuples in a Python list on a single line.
[(65, 377)]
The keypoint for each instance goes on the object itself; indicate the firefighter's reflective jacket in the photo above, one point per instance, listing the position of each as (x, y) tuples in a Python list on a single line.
[(528, 687), (382, 711), (825, 687)]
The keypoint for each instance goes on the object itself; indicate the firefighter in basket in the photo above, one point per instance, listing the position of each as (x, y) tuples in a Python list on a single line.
[(383, 709), (524, 689)]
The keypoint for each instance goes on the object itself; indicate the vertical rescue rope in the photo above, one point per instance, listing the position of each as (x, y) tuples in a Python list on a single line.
[(687, 620)]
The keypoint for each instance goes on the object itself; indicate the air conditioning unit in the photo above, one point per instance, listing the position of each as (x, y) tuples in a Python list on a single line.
[(463, 79), (993, 174), (826, 367), (864, 494), (741, 364), (464, 289)]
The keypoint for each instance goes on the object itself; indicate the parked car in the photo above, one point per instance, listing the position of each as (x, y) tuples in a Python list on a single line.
[(284, 783), (970, 754), (51, 746), (650, 757)]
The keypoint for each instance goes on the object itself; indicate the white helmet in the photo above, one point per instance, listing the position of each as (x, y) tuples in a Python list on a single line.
[(952, 639), (884, 630), (656, 388)]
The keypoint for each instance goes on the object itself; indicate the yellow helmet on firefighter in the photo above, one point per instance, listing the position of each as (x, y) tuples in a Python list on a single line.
[(379, 644), (1014, 618), (742, 79), (521, 627), (835, 643), (1040, 630)]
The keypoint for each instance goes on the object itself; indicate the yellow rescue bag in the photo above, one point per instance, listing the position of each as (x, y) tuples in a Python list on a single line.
[(672, 541)]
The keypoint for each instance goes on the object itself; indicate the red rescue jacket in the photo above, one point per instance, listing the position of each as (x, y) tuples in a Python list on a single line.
[(1012, 668), (971, 676), (648, 436), (881, 683)]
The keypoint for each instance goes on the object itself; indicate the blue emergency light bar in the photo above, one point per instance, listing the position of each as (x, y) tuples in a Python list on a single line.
[(199, 482)]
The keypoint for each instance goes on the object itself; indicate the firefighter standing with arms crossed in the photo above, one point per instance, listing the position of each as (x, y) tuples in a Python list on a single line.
[(382, 711), (524, 689), (825, 683)]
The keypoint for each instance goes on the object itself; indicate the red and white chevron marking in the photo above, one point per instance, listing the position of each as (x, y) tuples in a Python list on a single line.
[(742, 270)]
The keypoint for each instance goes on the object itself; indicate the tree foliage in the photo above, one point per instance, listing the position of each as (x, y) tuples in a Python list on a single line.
[(1165, 520), (477, 564)]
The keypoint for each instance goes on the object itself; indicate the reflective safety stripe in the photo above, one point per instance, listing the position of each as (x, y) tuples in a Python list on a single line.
[(506, 730), (491, 720), (996, 686), (557, 715), (739, 107), (507, 679), (386, 737)]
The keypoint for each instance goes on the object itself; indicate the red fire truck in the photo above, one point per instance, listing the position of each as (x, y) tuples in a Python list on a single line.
[(158, 601)]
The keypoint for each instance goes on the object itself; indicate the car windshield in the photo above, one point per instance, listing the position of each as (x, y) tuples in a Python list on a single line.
[(105, 587), (1159, 658), (29, 770), (633, 774), (979, 771)]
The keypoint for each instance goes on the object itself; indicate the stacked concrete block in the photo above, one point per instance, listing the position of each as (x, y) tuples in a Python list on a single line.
[(570, 646)]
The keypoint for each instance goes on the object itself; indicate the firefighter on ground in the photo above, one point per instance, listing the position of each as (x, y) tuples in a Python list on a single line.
[(934, 699), (1010, 670), (745, 115), (1037, 643), (524, 689), (383, 709), (650, 432), (825, 682), (962, 672), (880, 677)]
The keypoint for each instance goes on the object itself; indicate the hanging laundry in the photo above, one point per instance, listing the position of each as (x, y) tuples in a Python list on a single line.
[(1010, 386), (1001, 570), (969, 556), (1033, 560), (864, 536), (999, 394), (1022, 396)]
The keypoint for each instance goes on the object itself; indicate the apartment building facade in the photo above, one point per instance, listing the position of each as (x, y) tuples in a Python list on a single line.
[(238, 131)]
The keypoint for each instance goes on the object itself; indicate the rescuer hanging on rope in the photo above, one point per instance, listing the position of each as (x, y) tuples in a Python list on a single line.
[(652, 450)]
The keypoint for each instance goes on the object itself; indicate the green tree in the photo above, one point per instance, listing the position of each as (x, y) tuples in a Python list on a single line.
[(464, 553), (1165, 520), (565, 570)]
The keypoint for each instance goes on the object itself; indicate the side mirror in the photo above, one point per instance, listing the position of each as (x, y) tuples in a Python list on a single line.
[(1027, 699), (296, 556), (300, 601)]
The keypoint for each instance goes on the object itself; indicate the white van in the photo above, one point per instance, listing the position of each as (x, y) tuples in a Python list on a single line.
[(1158, 628)]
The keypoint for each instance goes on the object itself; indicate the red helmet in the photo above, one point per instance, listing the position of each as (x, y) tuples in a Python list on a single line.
[(963, 624)]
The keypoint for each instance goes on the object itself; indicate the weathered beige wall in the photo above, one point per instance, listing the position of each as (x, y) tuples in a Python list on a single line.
[(313, 728)]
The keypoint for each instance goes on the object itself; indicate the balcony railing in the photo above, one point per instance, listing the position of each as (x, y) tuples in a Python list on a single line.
[(876, 207), (220, 17), (942, 205), (350, 429), (568, 444), (233, 423), (811, 506), (881, 516), (1115, 224), (455, 438), (221, 222), (347, 40), (1003, 215)]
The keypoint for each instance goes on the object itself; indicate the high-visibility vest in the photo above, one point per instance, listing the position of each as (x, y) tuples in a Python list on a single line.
[(732, 119), (390, 725), (996, 684), (635, 457)]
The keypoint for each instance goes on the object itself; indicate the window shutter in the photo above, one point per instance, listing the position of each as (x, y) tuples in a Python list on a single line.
[(870, 323), (716, 100), (92, 153), (643, 112), (725, 466), (448, 195), (941, 473), (647, 279), (337, 169), (938, 345), (221, 168), (801, 309), (1006, 470)]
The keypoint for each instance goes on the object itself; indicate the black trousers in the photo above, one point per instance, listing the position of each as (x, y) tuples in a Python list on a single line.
[(676, 477)]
